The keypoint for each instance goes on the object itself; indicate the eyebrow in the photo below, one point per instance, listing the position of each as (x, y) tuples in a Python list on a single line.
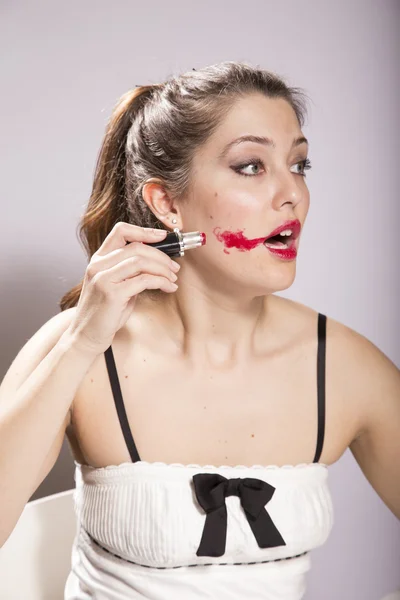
[(259, 140)]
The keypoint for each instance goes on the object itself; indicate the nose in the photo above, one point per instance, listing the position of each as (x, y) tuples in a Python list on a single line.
[(290, 189)]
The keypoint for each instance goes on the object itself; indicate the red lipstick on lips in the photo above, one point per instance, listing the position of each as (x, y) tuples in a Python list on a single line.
[(238, 240), (278, 247)]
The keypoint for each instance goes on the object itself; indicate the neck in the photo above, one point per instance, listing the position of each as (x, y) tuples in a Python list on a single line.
[(210, 329)]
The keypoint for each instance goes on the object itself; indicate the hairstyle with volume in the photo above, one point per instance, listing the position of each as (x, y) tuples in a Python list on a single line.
[(153, 132)]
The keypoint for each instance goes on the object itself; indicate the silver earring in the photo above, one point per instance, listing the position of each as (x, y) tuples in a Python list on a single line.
[(174, 221)]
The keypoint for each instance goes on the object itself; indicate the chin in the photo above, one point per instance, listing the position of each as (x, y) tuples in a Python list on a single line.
[(275, 282)]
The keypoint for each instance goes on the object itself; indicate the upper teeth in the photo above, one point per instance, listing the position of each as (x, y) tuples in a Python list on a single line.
[(286, 232)]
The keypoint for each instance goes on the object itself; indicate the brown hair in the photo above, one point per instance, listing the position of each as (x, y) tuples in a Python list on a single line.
[(153, 132)]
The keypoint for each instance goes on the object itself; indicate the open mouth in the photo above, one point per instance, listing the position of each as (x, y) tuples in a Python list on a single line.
[(285, 239)]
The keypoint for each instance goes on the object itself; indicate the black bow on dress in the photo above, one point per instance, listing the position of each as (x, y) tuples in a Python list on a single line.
[(212, 489)]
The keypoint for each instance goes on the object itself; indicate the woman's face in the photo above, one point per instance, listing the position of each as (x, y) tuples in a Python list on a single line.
[(241, 192)]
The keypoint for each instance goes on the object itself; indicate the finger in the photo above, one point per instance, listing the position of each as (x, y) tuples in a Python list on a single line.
[(133, 249), (124, 232), (136, 265), (133, 286)]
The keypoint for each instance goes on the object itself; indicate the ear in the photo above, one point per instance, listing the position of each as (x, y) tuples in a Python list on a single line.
[(161, 204)]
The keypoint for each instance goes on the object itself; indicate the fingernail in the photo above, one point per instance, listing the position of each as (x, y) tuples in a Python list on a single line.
[(175, 266), (159, 232)]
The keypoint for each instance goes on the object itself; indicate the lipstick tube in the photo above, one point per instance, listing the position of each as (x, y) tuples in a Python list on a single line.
[(176, 243)]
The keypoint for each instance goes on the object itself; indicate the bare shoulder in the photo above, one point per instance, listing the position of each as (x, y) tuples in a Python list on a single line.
[(350, 349), (358, 371), (371, 377), (363, 400), (296, 318), (371, 384), (343, 344), (368, 378)]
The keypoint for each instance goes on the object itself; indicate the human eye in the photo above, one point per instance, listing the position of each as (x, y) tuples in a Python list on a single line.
[(251, 162), (305, 165)]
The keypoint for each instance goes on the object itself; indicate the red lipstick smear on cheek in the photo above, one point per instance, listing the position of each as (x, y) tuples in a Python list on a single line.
[(236, 239)]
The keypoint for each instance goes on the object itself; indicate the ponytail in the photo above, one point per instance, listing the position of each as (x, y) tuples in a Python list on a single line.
[(107, 203)]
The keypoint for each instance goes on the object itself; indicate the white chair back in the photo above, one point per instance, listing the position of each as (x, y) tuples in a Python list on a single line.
[(36, 558)]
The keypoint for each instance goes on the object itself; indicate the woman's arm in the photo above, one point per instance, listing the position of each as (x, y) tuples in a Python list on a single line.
[(35, 397), (374, 382)]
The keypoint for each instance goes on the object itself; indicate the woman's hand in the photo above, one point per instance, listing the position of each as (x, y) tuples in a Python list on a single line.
[(115, 275)]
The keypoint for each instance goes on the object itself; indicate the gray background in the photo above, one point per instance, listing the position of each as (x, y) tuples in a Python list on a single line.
[(63, 65)]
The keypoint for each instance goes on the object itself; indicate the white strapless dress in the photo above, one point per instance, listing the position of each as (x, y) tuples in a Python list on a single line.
[(159, 531)]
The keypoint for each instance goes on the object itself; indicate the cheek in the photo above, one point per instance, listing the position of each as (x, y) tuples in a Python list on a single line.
[(231, 208), (231, 214)]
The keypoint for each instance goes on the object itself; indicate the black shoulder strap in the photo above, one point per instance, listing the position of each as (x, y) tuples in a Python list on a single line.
[(119, 404), (321, 360)]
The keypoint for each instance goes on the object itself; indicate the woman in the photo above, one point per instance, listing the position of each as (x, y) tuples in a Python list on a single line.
[(202, 414)]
